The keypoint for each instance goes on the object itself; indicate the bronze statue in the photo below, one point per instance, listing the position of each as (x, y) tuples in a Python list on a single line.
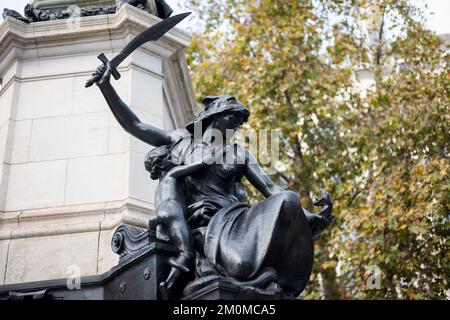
[(267, 245), (234, 241)]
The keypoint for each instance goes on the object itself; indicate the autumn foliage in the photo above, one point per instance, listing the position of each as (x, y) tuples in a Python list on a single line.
[(382, 153)]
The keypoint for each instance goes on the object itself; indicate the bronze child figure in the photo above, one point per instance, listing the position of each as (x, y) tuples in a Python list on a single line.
[(170, 209)]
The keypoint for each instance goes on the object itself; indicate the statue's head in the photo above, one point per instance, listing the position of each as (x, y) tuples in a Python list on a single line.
[(222, 112), (158, 160)]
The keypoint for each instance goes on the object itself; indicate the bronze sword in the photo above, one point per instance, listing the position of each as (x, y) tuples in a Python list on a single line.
[(151, 34)]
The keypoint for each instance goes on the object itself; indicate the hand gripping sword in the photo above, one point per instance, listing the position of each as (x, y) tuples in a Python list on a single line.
[(151, 34)]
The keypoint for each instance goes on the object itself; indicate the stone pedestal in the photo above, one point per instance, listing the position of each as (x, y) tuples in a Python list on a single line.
[(142, 266), (69, 174), (220, 290)]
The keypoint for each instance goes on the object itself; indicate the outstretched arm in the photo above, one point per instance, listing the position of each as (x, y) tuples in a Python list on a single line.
[(185, 170), (125, 116), (257, 177), (182, 171)]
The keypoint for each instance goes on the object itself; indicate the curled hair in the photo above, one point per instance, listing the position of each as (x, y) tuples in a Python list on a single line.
[(156, 155)]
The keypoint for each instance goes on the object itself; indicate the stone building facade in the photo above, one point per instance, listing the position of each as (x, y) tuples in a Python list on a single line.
[(69, 174)]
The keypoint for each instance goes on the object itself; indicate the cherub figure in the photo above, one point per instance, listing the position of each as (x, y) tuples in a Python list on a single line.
[(170, 209)]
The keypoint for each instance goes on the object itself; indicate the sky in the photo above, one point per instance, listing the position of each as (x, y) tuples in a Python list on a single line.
[(438, 22)]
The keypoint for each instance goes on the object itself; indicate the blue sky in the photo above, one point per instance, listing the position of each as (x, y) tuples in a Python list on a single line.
[(438, 22)]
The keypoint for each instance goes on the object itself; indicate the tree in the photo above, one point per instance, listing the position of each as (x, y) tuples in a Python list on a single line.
[(382, 154)]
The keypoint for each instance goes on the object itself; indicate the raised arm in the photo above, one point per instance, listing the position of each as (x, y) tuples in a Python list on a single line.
[(125, 116), (257, 177)]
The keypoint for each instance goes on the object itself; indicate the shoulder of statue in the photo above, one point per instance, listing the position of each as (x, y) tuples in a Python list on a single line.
[(181, 145), (179, 135)]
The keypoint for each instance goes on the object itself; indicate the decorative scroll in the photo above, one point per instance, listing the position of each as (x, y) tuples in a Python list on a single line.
[(129, 240)]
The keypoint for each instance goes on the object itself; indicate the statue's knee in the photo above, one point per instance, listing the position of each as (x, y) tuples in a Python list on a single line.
[(242, 270), (290, 198), (164, 216)]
